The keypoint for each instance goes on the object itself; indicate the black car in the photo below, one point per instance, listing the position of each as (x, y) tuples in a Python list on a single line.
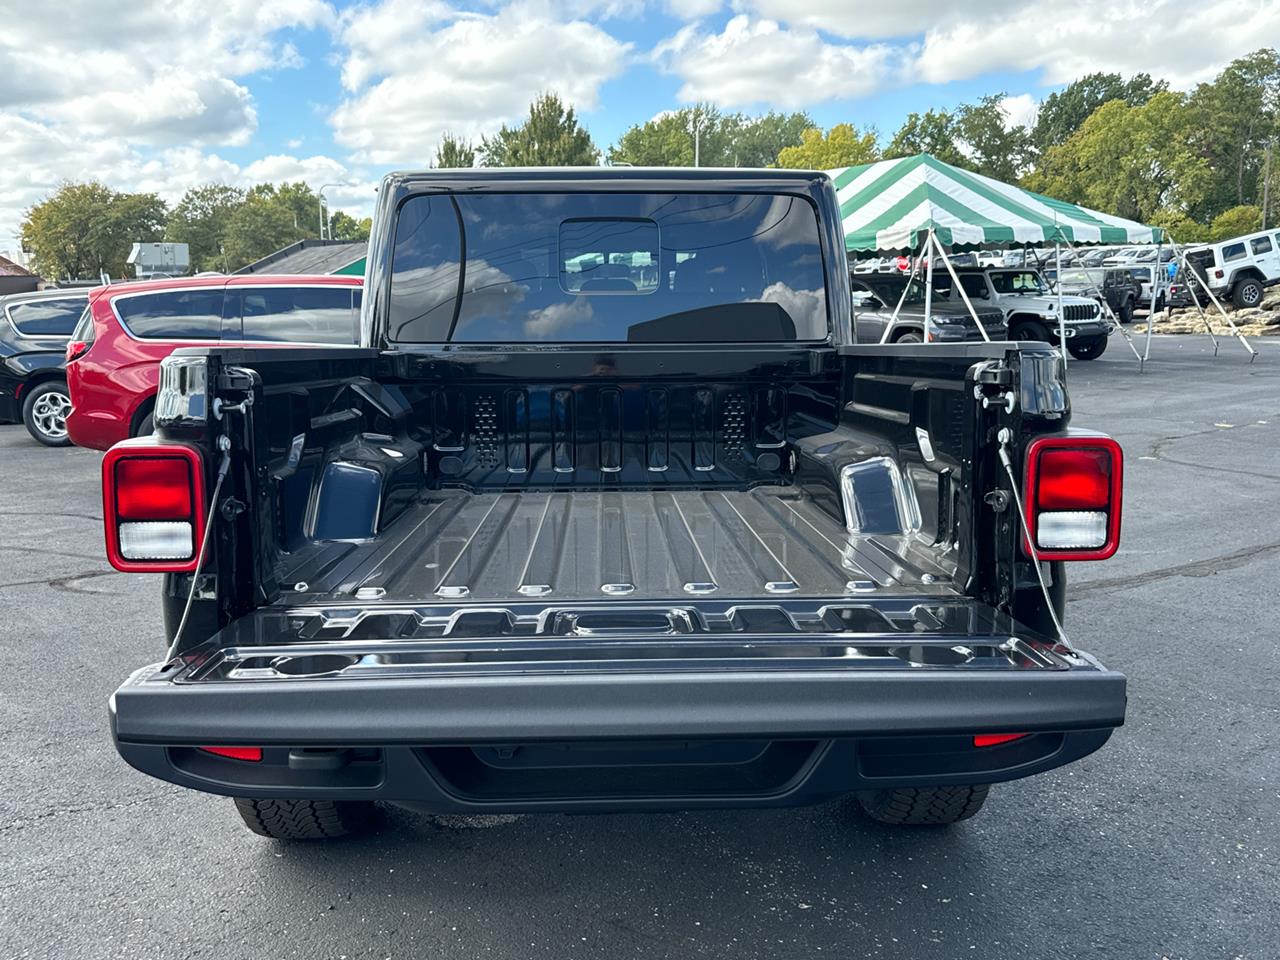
[(34, 329), (876, 295), (1120, 287)]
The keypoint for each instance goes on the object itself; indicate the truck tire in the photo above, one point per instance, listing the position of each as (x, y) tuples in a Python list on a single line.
[(923, 806), (909, 337), (1087, 349), (305, 819), (45, 410), (1125, 315), (1247, 293), (1029, 330)]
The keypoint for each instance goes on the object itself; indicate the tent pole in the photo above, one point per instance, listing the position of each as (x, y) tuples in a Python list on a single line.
[(1253, 354), (960, 288), (1195, 299), (930, 241), (1110, 313), (1057, 265), (884, 337), (1157, 275)]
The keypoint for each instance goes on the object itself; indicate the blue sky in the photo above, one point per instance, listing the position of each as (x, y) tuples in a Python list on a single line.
[(161, 95)]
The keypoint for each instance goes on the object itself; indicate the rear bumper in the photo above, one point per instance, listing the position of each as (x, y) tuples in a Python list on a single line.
[(766, 737)]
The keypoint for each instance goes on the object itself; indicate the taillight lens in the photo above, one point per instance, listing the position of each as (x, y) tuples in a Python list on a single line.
[(153, 506), (995, 739), (77, 349), (1073, 496)]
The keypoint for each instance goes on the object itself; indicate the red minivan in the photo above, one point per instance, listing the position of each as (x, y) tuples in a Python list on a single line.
[(113, 358)]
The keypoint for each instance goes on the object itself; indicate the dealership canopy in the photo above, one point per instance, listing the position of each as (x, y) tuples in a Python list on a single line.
[(889, 207)]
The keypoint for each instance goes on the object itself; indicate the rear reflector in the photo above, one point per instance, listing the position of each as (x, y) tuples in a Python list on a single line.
[(252, 754), (995, 739), (153, 506), (1073, 496)]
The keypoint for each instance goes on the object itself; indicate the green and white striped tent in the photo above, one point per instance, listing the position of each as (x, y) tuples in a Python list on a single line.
[(888, 207)]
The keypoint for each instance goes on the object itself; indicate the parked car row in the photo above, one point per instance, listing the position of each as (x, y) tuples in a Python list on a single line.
[(83, 366)]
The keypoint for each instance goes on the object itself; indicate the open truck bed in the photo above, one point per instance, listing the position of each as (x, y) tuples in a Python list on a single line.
[(723, 558)]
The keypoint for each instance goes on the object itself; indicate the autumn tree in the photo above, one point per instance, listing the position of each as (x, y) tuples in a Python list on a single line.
[(549, 137), (841, 146), (1063, 112), (86, 229)]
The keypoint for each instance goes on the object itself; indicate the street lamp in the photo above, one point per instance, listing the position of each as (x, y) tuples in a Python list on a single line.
[(320, 202)]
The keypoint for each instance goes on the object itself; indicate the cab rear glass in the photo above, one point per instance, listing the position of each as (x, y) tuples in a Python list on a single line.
[(607, 268)]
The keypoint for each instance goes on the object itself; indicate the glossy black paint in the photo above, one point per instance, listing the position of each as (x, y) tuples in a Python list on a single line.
[(26, 361), (431, 696)]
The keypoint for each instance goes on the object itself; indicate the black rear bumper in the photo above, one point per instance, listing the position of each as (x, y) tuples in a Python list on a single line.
[(615, 740)]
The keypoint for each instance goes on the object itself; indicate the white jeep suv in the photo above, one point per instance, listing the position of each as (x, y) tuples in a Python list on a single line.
[(1238, 269)]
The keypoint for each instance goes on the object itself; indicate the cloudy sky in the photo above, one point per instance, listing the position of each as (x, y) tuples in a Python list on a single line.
[(162, 95)]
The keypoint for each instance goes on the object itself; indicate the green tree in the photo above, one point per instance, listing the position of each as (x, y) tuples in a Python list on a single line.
[(1235, 117), (455, 153), (200, 220), (84, 229), (1180, 227), (1062, 113), (757, 141), (841, 146), (549, 137), (934, 132), (343, 226), (258, 227), (990, 146), (1243, 219), (298, 199), (1130, 161)]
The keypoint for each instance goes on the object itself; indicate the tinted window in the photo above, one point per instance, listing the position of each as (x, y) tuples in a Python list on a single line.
[(1261, 244), (1232, 251), (173, 314), (974, 286), (300, 314), (47, 318), (608, 268)]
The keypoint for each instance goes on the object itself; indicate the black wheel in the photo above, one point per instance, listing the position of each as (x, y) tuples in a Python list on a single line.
[(146, 426), (1029, 330), (1087, 349), (909, 337), (1247, 293), (45, 413), (306, 819), (923, 806), (1125, 315)]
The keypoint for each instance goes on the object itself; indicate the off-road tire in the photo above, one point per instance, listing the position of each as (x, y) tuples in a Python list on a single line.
[(306, 819), (923, 806), (909, 337), (1088, 349), (1247, 293), (1125, 314), (1028, 330), (45, 410)]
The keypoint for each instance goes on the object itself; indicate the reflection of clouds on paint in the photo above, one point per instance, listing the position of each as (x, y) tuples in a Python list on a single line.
[(806, 308), (552, 319)]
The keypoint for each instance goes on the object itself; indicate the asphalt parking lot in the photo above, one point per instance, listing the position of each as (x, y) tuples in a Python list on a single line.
[(1166, 844)]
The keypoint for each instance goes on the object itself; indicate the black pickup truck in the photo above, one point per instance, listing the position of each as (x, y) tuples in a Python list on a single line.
[(609, 513)]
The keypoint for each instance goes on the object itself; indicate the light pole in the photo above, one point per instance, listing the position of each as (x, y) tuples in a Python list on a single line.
[(320, 203)]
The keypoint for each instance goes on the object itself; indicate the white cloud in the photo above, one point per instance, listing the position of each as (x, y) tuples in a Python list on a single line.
[(762, 62), (161, 76), (693, 9), (873, 20), (416, 70), (1182, 41), (1020, 111)]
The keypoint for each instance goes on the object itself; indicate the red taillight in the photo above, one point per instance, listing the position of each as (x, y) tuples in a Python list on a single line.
[(995, 739), (252, 754), (77, 349), (1073, 496), (153, 506)]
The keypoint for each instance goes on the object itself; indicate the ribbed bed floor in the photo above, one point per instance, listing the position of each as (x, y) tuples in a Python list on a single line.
[(770, 541)]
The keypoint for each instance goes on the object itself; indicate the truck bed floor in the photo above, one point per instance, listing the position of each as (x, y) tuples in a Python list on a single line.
[(769, 541)]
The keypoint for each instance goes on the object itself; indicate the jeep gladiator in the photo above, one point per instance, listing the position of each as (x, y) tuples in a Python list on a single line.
[(608, 512)]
